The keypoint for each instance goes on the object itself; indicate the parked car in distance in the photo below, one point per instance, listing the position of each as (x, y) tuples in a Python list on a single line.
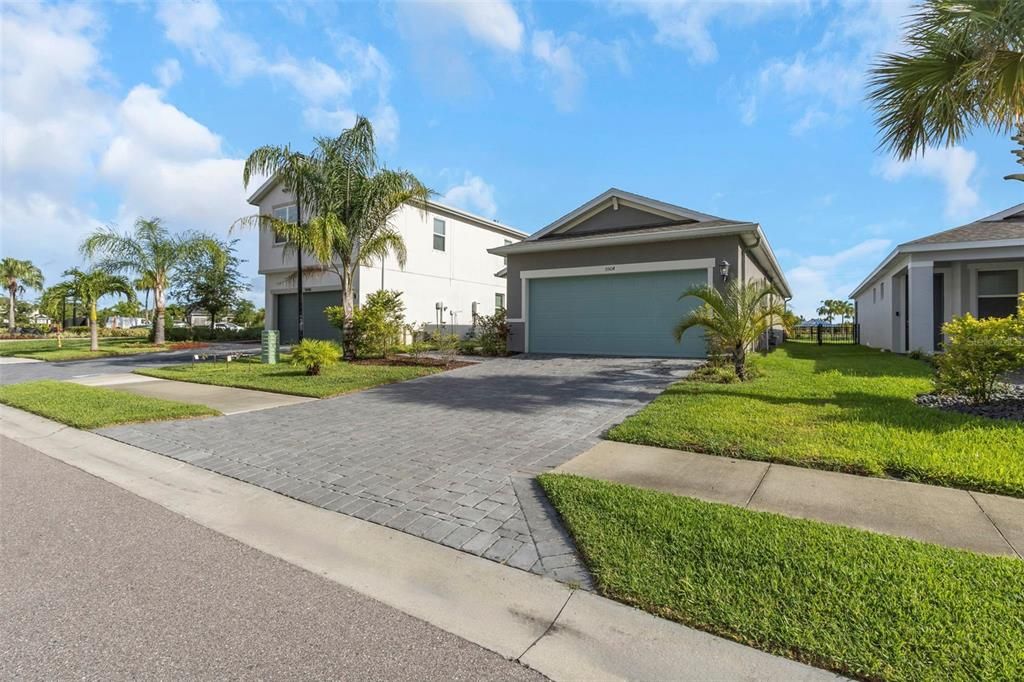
[(179, 325), (230, 326)]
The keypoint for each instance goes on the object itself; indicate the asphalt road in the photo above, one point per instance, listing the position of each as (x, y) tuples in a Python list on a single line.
[(100, 584), (12, 374)]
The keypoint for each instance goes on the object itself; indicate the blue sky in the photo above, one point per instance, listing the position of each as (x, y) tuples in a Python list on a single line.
[(518, 111)]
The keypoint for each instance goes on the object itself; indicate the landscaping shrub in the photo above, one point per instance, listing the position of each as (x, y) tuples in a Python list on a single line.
[(314, 355), (493, 333), (979, 352), (207, 334), (104, 332), (377, 325)]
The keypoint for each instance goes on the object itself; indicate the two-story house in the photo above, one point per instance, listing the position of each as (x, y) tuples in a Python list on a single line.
[(447, 277)]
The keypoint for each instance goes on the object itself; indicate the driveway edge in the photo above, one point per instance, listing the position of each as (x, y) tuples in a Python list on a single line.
[(553, 629)]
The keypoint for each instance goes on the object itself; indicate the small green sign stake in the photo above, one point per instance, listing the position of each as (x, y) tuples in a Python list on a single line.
[(270, 342)]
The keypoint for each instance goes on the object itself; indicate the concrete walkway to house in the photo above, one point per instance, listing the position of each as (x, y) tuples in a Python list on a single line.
[(221, 398), (563, 633), (990, 524)]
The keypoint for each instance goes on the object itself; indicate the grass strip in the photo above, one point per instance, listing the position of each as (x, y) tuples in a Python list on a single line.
[(75, 349), (859, 603), (283, 377), (844, 408), (91, 407)]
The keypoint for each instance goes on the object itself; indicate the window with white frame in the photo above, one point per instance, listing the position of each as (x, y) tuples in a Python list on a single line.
[(499, 302), (288, 214), (997, 293), (439, 234)]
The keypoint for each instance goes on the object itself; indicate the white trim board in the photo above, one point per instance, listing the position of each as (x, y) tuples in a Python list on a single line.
[(621, 268)]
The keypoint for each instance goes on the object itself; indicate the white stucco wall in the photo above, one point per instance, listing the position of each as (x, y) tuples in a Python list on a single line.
[(875, 312), (458, 276)]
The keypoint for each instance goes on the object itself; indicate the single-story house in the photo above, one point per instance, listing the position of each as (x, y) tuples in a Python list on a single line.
[(606, 278), (976, 268), (449, 277)]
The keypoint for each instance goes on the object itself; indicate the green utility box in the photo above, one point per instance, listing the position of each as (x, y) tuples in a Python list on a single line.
[(270, 341)]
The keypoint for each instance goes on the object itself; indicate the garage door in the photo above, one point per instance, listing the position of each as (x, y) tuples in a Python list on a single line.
[(622, 314), (314, 321)]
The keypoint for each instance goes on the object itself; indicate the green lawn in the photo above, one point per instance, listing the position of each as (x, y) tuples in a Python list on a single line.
[(846, 408), (75, 349), (343, 377), (89, 407), (862, 604)]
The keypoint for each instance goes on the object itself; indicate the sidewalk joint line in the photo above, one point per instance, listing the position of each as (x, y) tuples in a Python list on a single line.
[(994, 525), (548, 628), (758, 486)]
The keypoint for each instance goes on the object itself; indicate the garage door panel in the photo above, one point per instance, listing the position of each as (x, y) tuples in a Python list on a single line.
[(314, 321), (620, 314)]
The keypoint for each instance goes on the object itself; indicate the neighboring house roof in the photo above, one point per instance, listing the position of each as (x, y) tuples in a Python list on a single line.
[(670, 223), (489, 223), (1005, 228)]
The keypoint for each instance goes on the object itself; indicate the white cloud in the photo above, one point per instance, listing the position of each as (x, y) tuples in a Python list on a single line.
[(473, 195), (831, 77), (819, 277), (168, 73), (686, 24), (561, 67), (199, 27), (492, 23), (952, 166)]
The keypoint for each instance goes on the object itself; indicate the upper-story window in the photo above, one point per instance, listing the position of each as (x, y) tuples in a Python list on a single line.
[(439, 234), (997, 293), (881, 290), (289, 214)]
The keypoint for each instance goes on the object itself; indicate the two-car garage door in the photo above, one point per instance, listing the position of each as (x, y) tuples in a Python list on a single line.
[(613, 314)]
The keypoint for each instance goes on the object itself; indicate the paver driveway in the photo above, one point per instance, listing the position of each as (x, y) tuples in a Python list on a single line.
[(449, 457)]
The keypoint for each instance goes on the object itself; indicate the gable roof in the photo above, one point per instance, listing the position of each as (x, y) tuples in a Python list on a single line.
[(669, 222), (1005, 228)]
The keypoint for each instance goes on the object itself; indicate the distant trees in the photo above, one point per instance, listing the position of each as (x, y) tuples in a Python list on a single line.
[(209, 280), (18, 275), (246, 314), (831, 308)]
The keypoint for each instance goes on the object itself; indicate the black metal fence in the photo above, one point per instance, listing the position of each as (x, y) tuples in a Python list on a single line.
[(822, 334)]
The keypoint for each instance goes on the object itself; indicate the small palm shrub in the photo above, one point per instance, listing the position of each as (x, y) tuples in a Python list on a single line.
[(979, 352), (314, 355)]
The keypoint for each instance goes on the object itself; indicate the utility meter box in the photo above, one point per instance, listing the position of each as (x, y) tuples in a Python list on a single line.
[(270, 343)]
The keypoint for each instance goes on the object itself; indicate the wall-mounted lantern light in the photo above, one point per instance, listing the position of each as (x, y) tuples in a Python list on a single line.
[(723, 269)]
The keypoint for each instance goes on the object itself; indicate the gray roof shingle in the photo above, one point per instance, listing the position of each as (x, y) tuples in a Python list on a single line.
[(1009, 227)]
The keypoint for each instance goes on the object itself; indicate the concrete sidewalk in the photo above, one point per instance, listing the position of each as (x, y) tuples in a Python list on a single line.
[(224, 399), (990, 524), (563, 633)]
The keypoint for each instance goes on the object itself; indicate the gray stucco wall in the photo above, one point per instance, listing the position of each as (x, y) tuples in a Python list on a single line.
[(719, 248), (611, 219)]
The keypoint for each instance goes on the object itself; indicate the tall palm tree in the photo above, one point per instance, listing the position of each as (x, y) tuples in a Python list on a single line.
[(964, 69), (737, 318), (352, 203), (151, 252), (295, 171), (18, 275), (89, 286), (145, 285)]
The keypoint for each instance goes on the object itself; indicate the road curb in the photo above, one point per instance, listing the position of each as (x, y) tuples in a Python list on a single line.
[(559, 632)]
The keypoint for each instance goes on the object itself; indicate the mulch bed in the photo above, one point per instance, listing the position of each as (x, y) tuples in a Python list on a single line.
[(404, 361), (1007, 404)]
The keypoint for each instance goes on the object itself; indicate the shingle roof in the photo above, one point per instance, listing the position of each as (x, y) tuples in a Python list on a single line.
[(645, 229), (1005, 225)]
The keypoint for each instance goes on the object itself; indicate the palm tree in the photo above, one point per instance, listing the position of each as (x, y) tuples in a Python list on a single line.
[(826, 311), (353, 202), (17, 275), (145, 285), (295, 172), (964, 69), (89, 287), (736, 318), (149, 251)]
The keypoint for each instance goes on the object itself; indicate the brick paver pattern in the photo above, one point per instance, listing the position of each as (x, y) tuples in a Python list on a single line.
[(436, 457)]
